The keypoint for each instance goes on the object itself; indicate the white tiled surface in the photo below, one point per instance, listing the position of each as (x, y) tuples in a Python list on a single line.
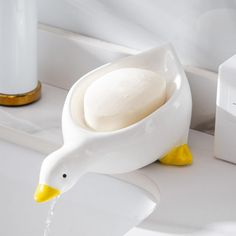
[(203, 32)]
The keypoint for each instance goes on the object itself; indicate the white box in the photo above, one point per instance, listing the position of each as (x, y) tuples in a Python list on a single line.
[(225, 130)]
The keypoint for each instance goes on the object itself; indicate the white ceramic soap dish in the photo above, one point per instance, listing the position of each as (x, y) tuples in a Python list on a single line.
[(162, 135)]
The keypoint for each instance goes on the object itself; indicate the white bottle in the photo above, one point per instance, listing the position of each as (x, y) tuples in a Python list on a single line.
[(225, 130), (18, 52)]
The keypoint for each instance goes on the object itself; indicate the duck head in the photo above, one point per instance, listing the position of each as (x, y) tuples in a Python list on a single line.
[(59, 172)]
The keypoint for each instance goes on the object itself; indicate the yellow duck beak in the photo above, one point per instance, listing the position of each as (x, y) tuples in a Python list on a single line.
[(45, 193)]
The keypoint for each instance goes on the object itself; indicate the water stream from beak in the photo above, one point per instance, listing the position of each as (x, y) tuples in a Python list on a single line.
[(49, 217)]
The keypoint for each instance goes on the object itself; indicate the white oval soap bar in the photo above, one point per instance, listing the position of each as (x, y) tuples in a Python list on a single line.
[(123, 97)]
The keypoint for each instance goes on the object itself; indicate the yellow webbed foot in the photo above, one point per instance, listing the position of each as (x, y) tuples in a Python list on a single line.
[(178, 156)]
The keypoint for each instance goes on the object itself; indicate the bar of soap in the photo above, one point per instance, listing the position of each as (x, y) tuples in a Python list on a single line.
[(123, 97)]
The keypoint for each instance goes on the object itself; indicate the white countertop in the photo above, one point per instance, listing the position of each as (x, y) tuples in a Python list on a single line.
[(196, 196), (193, 197)]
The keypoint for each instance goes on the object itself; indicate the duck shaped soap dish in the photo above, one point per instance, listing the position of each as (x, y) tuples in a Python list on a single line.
[(95, 140)]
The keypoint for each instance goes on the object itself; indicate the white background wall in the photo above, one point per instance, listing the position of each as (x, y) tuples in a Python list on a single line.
[(202, 31)]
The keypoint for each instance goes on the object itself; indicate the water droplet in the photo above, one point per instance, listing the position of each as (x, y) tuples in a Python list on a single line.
[(49, 217)]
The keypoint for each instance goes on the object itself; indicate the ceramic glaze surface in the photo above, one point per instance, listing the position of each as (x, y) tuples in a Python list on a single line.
[(126, 149), (143, 142)]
